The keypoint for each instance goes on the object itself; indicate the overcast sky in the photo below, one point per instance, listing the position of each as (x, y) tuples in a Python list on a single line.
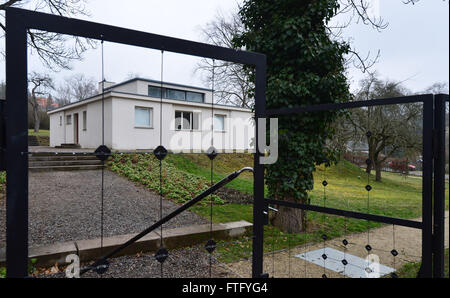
[(414, 47)]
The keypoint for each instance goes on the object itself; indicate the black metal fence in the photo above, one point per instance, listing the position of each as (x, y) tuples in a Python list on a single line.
[(433, 182)]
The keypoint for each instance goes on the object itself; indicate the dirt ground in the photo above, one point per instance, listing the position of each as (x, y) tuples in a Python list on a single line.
[(284, 264)]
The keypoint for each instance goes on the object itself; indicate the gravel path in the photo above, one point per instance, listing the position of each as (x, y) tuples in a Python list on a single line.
[(184, 263), (65, 206), (284, 264)]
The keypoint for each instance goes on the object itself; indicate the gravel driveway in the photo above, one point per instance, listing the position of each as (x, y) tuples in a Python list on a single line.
[(190, 262), (65, 206)]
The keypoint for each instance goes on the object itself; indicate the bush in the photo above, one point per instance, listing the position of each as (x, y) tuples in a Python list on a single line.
[(177, 185)]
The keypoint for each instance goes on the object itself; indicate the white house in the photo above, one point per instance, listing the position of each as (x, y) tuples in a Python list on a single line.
[(132, 119)]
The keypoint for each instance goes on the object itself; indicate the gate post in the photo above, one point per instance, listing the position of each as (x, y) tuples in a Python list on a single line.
[(258, 186), (439, 186), (427, 188), (16, 148)]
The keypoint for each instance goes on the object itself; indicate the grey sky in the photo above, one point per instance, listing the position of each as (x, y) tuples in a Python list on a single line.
[(415, 46)]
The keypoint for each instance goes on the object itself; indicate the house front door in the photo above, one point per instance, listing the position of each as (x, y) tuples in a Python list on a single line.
[(75, 127)]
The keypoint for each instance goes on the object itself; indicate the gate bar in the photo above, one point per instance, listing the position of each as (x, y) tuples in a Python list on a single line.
[(16, 143), (347, 105), (70, 26), (427, 188), (258, 185), (350, 214), (439, 185)]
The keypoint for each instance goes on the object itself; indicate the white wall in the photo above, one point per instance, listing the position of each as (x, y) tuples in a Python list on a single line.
[(56, 130), (121, 133), (89, 138), (127, 137)]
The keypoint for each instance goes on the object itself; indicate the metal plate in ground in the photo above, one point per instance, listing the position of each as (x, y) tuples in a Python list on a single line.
[(356, 268)]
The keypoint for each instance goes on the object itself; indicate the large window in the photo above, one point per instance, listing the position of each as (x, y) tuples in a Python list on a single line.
[(194, 96), (168, 93), (154, 91), (143, 117), (175, 94), (84, 120), (219, 122), (187, 120)]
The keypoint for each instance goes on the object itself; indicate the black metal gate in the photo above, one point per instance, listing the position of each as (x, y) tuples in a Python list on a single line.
[(433, 183), (19, 21)]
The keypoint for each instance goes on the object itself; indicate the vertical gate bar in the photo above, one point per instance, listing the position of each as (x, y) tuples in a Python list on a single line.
[(427, 187), (439, 187), (258, 187), (17, 146)]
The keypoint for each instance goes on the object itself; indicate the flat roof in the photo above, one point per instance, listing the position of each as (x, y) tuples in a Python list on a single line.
[(112, 93), (145, 80), (156, 82)]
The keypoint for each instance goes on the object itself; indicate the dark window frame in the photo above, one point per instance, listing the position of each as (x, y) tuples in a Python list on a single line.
[(165, 93)]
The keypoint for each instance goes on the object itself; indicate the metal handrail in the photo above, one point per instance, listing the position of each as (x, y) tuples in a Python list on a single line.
[(103, 260)]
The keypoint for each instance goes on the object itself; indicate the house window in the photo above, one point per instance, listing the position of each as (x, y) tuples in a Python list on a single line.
[(84, 120), (154, 91), (175, 94), (219, 122), (194, 96), (187, 120), (68, 119), (143, 117), (60, 120), (167, 93)]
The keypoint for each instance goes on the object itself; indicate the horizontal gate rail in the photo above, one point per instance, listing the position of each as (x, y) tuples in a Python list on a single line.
[(347, 105), (64, 25), (350, 214)]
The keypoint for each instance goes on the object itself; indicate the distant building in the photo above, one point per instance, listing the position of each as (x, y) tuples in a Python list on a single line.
[(46, 103)]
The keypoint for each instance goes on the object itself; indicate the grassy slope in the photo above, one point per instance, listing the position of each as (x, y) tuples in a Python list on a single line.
[(42, 132), (395, 196), (43, 136), (411, 270)]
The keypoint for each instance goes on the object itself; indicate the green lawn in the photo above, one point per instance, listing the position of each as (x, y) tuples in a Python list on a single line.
[(187, 174), (411, 270), (41, 133)]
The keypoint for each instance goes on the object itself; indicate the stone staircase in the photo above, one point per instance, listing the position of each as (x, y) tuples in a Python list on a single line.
[(44, 162), (33, 141)]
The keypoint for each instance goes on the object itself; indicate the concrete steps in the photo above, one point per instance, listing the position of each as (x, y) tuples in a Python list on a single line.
[(33, 141), (44, 162), (69, 146)]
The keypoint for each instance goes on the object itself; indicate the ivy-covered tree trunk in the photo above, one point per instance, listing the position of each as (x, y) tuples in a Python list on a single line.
[(289, 219), (304, 67)]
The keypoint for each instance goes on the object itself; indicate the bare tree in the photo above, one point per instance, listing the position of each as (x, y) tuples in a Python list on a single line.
[(231, 82), (387, 130), (438, 88), (76, 88), (41, 83), (55, 50)]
